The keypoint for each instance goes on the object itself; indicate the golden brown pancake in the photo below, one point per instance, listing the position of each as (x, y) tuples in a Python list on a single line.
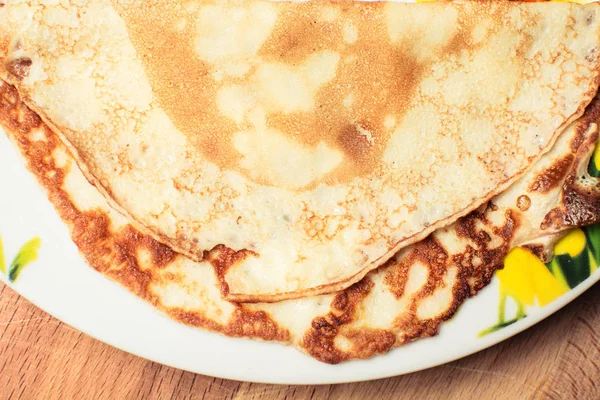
[(300, 145), (403, 301)]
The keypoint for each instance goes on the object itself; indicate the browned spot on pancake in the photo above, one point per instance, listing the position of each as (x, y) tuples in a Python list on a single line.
[(356, 141), (544, 251), (552, 176), (589, 18), (367, 342), (581, 207), (342, 306), (591, 116), (554, 218), (326, 329), (523, 203), (466, 227), (435, 257), (319, 338), (222, 258), (581, 131), (14, 114), (129, 240), (193, 319), (535, 249), (181, 81), (436, 260), (301, 31), (475, 269), (480, 250), (379, 80), (476, 266), (396, 278), (243, 323), (248, 323), (428, 252), (19, 67), (580, 200)]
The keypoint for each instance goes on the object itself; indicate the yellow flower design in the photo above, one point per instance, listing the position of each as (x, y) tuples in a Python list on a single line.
[(26, 255), (525, 278), (528, 281)]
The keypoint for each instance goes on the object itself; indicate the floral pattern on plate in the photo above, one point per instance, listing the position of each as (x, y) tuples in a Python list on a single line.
[(530, 284)]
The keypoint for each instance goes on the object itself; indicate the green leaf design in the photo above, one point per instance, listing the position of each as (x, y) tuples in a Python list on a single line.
[(499, 326), (574, 269), (592, 234), (502, 322), (2, 259), (568, 270), (25, 256), (593, 262), (593, 168), (556, 270)]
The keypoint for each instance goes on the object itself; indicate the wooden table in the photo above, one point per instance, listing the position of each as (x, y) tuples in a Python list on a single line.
[(42, 358)]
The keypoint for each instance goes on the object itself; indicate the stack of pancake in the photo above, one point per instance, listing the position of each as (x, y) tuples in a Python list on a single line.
[(338, 176)]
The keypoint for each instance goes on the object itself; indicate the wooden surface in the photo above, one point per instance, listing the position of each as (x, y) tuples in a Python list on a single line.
[(42, 358)]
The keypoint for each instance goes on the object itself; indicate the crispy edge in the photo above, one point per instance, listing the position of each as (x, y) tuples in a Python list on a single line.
[(109, 251), (476, 265)]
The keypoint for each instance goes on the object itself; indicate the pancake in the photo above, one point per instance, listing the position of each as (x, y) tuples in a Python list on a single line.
[(403, 301), (297, 146)]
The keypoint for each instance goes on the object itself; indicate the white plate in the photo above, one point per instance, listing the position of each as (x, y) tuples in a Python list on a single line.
[(62, 284)]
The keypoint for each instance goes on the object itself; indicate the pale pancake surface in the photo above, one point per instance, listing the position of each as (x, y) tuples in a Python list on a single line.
[(302, 144), (405, 300)]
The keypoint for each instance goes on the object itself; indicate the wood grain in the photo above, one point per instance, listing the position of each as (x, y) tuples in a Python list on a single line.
[(42, 358)]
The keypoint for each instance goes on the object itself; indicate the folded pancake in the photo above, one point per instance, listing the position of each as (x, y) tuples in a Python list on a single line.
[(297, 146), (404, 300)]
